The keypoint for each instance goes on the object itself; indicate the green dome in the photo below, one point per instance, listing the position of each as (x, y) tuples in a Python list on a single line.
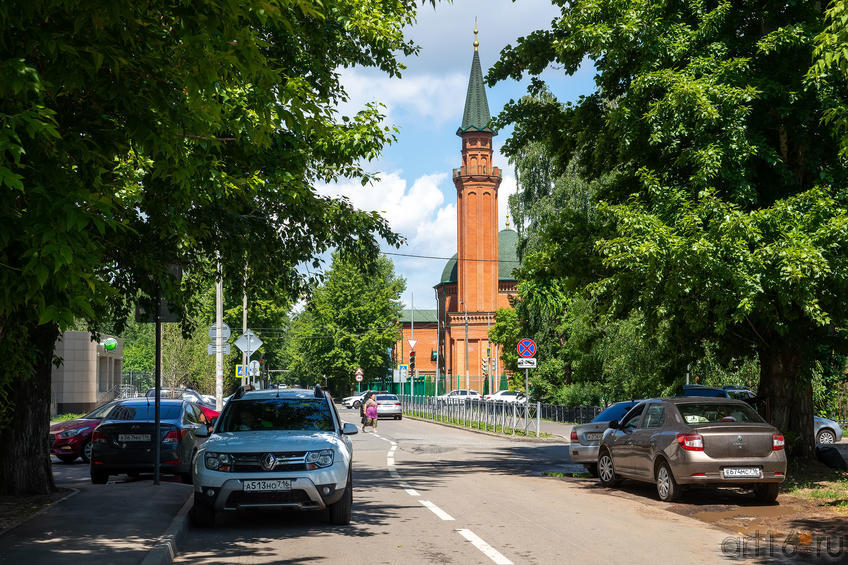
[(507, 256)]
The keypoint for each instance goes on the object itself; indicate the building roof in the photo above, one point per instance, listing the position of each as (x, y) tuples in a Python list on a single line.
[(476, 116), (423, 316), (507, 259)]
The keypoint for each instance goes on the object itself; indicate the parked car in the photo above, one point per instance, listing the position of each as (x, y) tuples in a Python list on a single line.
[(824, 430), (355, 401), (182, 393), (682, 441), (123, 443), (389, 405), (281, 449), (507, 396), (459, 395), (827, 431), (585, 438), (71, 439)]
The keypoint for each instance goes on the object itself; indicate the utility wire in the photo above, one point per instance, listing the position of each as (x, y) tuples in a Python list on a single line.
[(449, 258)]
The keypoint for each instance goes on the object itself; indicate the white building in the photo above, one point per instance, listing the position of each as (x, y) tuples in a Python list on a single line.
[(88, 376)]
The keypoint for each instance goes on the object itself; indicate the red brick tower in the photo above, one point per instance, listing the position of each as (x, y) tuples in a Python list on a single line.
[(477, 183)]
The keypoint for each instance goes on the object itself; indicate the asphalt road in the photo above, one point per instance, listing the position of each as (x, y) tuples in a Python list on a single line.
[(425, 493)]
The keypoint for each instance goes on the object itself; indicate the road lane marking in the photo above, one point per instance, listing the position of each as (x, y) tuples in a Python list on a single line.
[(394, 474), (487, 549), (409, 490), (390, 461), (436, 510)]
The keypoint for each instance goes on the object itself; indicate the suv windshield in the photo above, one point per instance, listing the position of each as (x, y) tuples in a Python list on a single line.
[(276, 414), (709, 413)]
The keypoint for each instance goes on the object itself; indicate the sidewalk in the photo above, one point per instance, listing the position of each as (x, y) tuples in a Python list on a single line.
[(118, 523)]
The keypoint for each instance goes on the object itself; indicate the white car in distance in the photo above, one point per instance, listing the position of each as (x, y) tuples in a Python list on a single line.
[(507, 396)]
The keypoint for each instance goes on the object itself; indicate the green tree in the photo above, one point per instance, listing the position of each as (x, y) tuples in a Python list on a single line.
[(135, 135), (725, 189), (350, 321)]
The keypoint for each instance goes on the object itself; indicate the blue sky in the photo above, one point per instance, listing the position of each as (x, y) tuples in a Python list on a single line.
[(415, 192)]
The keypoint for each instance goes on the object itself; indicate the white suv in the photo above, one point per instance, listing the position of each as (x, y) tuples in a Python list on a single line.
[(285, 449)]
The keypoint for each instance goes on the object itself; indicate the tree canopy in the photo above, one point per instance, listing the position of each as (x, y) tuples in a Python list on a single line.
[(712, 162), (139, 135)]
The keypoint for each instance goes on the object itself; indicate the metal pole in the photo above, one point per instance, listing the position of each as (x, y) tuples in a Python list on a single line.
[(157, 441), (438, 344), (466, 345), (412, 333), (527, 403), (219, 337), (245, 356)]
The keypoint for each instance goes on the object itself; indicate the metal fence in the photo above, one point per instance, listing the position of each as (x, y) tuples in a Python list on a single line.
[(570, 414), (510, 418)]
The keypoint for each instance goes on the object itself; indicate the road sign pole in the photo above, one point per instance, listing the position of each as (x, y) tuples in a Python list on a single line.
[(527, 403), (158, 386), (219, 338)]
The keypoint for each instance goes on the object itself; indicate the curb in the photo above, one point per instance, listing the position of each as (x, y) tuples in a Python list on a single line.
[(556, 437), (165, 549)]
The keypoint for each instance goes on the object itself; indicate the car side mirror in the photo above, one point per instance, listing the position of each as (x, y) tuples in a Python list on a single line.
[(613, 425), (201, 431), (349, 429)]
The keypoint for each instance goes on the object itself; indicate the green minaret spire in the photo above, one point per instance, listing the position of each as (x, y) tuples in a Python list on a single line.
[(476, 116)]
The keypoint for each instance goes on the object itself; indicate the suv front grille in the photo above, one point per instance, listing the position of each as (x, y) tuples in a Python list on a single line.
[(250, 462)]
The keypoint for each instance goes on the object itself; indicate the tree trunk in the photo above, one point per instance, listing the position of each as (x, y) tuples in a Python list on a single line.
[(24, 452), (788, 391)]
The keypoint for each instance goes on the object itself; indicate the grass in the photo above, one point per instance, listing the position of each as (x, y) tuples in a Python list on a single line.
[(65, 418), (815, 481)]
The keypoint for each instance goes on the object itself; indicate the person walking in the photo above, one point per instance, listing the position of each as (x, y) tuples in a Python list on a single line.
[(362, 402), (371, 413)]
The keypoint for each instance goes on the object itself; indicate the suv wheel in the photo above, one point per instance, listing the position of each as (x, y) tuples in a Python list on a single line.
[(202, 515), (766, 492), (340, 511), (357, 403), (826, 436)]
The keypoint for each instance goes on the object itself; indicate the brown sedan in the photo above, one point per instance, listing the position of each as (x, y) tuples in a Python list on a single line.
[(693, 441)]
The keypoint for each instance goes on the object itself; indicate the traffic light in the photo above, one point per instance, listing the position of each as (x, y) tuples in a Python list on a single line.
[(412, 361), (484, 364)]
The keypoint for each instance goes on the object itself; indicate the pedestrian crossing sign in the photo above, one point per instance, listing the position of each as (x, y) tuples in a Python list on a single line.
[(241, 371)]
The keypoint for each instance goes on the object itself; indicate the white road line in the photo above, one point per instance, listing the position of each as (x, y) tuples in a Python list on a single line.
[(487, 549), (410, 491), (436, 510), (394, 474), (390, 461)]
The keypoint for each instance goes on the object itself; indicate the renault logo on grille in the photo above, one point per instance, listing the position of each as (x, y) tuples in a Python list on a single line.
[(268, 462), (739, 442)]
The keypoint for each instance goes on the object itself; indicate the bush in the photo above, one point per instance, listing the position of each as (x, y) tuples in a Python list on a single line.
[(65, 418)]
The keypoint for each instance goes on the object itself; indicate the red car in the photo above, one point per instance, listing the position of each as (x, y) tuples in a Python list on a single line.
[(72, 438)]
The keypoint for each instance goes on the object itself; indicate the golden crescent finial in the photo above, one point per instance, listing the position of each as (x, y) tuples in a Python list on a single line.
[(507, 220), (476, 43)]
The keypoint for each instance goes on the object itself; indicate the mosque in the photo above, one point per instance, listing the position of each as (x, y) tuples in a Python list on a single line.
[(452, 341)]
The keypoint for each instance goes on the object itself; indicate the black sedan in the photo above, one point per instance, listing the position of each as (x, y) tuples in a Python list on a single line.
[(124, 442)]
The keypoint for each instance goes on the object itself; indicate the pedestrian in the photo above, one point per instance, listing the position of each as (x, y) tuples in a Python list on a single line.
[(371, 413), (362, 402)]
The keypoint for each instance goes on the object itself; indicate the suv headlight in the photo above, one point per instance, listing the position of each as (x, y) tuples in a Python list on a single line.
[(219, 461), (318, 459), (70, 433)]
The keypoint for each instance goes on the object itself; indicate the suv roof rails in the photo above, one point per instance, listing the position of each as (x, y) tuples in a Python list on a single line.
[(241, 390)]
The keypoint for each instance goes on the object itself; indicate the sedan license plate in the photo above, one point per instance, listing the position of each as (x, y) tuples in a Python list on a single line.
[(742, 472), (133, 437), (267, 485), (593, 436)]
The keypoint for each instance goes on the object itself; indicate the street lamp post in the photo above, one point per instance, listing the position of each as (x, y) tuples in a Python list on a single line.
[(466, 342)]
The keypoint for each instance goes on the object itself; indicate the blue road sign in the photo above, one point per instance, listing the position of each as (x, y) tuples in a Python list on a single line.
[(526, 348)]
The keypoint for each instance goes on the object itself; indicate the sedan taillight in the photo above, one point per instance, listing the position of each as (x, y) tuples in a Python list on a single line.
[(175, 436), (574, 436), (691, 442), (98, 437), (776, 442), (398, 404)]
